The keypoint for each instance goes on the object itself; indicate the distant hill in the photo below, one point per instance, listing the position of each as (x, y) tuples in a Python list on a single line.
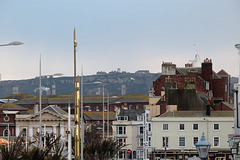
[(114, 83)]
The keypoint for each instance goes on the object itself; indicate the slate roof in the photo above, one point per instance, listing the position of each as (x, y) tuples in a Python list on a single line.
[(132, 114), (198, 114), (97, 115), (55, 109), (185, 70), (12, 107)]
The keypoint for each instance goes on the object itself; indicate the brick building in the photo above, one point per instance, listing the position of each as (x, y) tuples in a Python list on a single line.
[(191, 88)]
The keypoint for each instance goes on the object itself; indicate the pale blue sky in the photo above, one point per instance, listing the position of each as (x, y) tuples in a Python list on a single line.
[(111, 34)]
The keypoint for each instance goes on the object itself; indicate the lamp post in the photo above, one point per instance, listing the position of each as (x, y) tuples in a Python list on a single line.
[(82, 125), (103, 114), (40, 102), (203, 147), (108, 105)]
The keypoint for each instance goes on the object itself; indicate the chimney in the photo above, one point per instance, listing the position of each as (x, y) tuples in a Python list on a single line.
[(207, 71)]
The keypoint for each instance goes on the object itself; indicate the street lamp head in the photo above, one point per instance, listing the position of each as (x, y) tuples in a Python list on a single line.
[(15, 43), (97, 82), (57, 74), (237, 46), (203, 147)]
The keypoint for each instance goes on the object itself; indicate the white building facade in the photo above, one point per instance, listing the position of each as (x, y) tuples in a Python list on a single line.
[(174, 134)]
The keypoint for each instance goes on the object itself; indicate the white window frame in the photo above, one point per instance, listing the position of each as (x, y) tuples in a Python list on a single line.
[(24, 134), (218, 141), (122, 118), (123, 130), (180, 141), (139, 130), (166, 144), (139, 117), (149, 127), (150, 141), (8, 130), (137, 106), (197, 127), (122, 140), (89, 108), (130, 107), (139, 142), (180, 127), (218, 127), (163, 128), (139, 154), (193, 141)]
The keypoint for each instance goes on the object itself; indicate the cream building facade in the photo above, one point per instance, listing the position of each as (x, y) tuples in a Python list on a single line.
[(54, 121), (175, 133), (129, 130)]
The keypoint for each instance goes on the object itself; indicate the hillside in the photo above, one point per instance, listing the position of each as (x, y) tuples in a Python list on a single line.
[(135, 83)]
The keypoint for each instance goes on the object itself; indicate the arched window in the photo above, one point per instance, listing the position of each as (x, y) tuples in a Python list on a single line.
[(5, 133), (134, 154)]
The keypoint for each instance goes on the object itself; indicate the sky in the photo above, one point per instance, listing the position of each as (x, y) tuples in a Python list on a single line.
[(127, 34)]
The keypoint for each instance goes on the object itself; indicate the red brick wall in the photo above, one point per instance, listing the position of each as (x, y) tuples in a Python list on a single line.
[(218, 88)]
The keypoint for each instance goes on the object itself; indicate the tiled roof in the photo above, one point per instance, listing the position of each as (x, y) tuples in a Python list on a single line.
[(185, 70), (198, 114), (65, 99), (98, 116), (12, 106), (132, 114)]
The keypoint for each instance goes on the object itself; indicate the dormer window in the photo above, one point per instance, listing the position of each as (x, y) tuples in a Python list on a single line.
[(139, 117), (122, 118)]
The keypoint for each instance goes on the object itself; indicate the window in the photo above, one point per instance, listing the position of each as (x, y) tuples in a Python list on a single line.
[(122, 118), (165, 127), (195, 140), (149, 127), (122, 141), (181, 141), (121, 154), (165, 142), (140, 142), (105, 108), (89, 108), (140, 129), (216, 127), (139, 117), (216, 141), (115, 108), (130, 107), (134, 154), (121, 129), (195, 127), (137, 106), (24, 131), (97, 108), (5, 133), (181, 127), (140, 154), (149, 141), (6, 118)]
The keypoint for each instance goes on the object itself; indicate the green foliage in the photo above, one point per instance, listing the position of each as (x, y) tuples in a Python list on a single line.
[(97, 149), (18, 151)]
